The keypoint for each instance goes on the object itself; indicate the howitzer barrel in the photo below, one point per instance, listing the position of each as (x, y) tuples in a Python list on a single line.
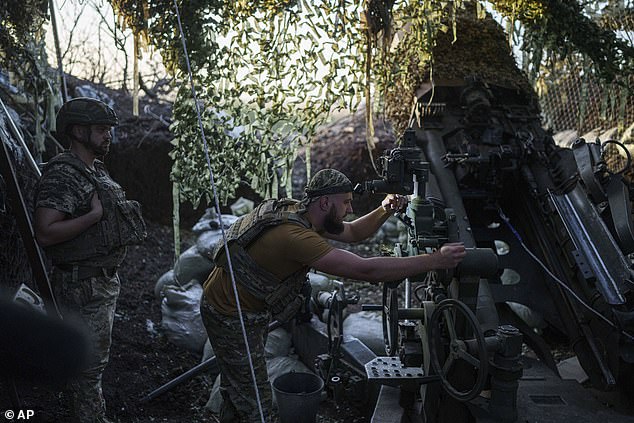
[(434, 150), (481, 262)]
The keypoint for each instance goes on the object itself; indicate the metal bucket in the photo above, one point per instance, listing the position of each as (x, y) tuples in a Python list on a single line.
[(298, 396)]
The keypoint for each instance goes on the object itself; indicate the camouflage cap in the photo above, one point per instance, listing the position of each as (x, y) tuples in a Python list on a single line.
[(327, 181)]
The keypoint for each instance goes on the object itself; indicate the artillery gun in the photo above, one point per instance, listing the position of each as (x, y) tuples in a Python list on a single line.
[(544, 226)]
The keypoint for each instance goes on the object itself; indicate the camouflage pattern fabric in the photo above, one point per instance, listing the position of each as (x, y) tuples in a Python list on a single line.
[(65, 188), (327, 181), (236, 383), (92, 301)]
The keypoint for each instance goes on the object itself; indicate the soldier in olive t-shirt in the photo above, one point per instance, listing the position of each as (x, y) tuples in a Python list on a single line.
[(271, 249), (282, 250)]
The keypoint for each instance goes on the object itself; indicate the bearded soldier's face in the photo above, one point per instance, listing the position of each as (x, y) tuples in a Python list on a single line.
[(100, 138), (341, 206)]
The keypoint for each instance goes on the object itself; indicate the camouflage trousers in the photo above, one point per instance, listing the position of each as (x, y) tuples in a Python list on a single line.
[(92, 301), (236, 383)]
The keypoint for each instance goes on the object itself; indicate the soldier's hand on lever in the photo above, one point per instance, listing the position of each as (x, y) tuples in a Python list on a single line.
[(450, 255), (394, 203)]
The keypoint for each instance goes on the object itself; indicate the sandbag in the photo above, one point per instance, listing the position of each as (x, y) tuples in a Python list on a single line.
[(192, 265), (207, 241), (319, 282), (367, 327), (180, 309), (278, 343), (209, 221), (166, 279), (531, 317)]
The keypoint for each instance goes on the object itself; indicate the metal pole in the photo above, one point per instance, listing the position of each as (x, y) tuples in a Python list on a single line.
[(18, 135), (26, 231), (58, 51), (194, 371)]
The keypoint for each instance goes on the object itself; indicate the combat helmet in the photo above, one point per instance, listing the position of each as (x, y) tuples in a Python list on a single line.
[(327, 181), (84, 111)]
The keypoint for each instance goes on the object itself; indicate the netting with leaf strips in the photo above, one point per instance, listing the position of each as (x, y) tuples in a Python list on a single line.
[(584, 104)]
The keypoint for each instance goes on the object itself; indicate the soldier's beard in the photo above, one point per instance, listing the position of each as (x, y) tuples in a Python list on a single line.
[(331, 223), (99, 149)]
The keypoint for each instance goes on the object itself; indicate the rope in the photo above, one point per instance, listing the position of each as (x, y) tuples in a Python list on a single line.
[(559, 281), (217, 204)]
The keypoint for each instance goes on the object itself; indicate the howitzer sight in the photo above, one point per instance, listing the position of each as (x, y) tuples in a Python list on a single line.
[(398, 169)]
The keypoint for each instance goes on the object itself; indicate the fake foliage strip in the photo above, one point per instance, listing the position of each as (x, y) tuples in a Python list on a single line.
[(274, 78), (273, 70), (276, 72)]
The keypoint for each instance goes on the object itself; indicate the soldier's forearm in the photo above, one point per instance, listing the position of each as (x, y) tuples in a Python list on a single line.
[(367, 225), (51, 232)]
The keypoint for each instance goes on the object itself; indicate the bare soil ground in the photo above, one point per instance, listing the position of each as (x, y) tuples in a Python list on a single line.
[(142, 359)]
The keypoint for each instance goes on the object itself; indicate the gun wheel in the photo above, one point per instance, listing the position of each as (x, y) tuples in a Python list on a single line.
[(444, 337)]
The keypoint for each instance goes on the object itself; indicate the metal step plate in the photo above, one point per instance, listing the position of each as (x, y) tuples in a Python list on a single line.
[(390, 371)]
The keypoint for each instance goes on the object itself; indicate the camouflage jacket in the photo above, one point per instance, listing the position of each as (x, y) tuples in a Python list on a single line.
[(67, 185)]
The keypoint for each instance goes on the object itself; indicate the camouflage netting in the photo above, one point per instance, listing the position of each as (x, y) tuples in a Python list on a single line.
[(572, 98), (481, 49), (14, 263), (583, 104), (569, 98)]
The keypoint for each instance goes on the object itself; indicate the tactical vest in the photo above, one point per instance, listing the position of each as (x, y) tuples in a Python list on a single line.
[(264, 285), (120, 225)]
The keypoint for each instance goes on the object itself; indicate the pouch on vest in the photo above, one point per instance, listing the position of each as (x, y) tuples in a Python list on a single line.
[(132, 228), (296, 304)]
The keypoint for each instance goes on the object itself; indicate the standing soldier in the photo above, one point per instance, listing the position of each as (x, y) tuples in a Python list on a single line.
[(271, 249), (84, 223)]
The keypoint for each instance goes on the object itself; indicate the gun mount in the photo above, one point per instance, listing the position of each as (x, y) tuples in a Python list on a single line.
[(544, 226)]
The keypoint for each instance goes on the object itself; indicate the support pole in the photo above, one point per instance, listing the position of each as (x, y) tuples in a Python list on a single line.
[(58, 52), (194, 371), (136, 76), (26, 232)]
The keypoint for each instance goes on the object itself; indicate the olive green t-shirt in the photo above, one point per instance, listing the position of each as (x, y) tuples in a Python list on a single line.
[(282, 250)]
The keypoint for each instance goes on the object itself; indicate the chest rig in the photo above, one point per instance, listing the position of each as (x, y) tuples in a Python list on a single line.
[(275, 292), (120, 225)]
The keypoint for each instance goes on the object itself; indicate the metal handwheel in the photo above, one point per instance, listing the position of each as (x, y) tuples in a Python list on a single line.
[(390, 318), (458, 349)]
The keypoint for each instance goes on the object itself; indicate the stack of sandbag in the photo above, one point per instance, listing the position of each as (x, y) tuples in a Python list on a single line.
[(180, 309), (179, 290)]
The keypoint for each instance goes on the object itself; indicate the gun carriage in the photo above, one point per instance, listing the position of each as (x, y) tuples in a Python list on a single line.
[(544, 226)]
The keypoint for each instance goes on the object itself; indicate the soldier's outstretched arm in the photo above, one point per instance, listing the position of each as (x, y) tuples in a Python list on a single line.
[(343, 263), (367, 225)]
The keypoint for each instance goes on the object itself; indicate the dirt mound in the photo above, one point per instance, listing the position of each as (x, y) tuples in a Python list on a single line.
[(342, 145)]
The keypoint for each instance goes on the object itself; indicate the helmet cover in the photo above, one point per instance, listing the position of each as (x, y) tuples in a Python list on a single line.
[(327, 181)]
